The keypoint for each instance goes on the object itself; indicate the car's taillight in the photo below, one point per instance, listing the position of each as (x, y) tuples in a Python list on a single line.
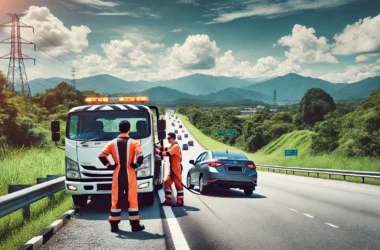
[(215, 164), (251, 165)]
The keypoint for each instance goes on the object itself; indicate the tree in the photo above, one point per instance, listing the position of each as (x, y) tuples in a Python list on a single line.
[(314, 105)]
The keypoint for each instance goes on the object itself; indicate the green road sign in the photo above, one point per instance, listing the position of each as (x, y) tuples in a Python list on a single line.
[(227, 132)]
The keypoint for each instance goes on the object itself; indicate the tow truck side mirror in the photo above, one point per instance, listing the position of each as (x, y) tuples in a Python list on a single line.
[(161, 135), (55, 126), (161, 125), (55, 131)]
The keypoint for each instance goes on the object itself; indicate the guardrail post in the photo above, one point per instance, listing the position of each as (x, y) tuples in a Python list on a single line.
[(18, 187), (329, 175), (308, 174), (344, 177), (42, 180), (362, 179), (317, 175)]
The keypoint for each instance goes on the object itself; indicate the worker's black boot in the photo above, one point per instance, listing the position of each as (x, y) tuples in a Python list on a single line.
[(114, 227), (136, 227)]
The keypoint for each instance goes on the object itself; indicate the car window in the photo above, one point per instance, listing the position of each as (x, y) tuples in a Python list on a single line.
[(199, 157), (204, 156), (229, 156)]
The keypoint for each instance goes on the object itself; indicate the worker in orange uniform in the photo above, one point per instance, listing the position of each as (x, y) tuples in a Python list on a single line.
[(175, 174), (124, 150)]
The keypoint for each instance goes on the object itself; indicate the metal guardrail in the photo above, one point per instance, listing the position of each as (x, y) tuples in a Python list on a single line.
[(329, 172), (10, 203)]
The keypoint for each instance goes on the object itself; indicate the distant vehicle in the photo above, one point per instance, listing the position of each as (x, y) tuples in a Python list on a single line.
[(176, 131), (222, 169), (178, 121), (185, 147), (180, 126), (183, 131), (179, 137), (186, 135), (173, 124), (176, 117), (191, 143)]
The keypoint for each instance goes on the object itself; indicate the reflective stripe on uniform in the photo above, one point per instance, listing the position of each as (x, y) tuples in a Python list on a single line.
[(115, 210), (140, 154), (133, 209), (136, 217), (180, 197), (114, 218)]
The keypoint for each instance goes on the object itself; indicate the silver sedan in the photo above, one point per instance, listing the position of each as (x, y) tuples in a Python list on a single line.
[(222, 169)]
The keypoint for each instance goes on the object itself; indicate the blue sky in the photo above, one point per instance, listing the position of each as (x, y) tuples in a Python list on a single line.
[(154, 40)]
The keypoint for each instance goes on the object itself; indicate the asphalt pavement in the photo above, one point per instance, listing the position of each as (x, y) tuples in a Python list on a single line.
[(285, 212)]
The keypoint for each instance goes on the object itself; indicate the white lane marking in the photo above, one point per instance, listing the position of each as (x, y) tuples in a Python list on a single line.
[(179, 240), (331, 225), (308, 215), (292, 209)]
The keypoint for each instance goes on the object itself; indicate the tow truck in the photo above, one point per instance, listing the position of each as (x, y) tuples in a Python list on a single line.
[(89, 128)]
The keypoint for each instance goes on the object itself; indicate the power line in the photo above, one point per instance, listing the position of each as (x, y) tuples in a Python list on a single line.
[(53, 57), (55, 45), (48, 66)]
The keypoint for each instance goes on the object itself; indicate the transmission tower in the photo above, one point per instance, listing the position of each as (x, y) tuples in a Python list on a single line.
[(17, 80), (73, 82), (275, 98)]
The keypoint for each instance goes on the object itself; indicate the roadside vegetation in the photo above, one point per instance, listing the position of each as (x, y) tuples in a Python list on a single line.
[(326, 134)]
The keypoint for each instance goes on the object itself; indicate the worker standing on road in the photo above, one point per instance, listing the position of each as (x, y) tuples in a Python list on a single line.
[(124, 150), (175, 174)]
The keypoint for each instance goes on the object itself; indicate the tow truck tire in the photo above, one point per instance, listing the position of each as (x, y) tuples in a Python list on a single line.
[(248, 192), (148, 198), (80, 200)]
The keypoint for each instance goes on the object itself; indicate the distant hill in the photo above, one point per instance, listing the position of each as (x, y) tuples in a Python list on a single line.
[(358, 90), (195, 84), (235, 94), (292, 87), (159, 94)]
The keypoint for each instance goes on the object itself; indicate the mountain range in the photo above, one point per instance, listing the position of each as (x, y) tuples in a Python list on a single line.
[(289, 88)]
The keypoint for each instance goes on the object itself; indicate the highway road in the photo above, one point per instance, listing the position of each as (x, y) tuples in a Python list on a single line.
[(285, 212)]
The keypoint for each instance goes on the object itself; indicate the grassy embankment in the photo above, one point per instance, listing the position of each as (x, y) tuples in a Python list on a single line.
[(273, 154), (23, 167)]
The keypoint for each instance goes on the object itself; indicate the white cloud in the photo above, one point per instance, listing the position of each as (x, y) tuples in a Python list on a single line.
[(359, 38), (366, 57), (177, 30), (198, 52), (354, 73), (97, 3), (249, 8), (193, 2), (305, 47), (125, 53), (52, 29), (113, 14)]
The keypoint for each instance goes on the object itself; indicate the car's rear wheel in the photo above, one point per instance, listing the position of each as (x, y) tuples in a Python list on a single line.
[(203, 189), (188, 182), (248, 192)]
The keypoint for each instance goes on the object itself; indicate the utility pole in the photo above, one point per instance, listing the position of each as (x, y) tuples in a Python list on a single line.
[(17, 78), (73, 81), (275, 98)]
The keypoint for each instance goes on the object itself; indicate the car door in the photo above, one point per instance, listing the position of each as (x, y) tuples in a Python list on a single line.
[(198, 165), (193, 172)]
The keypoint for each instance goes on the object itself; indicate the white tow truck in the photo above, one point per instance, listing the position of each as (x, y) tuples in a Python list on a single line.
[(89, 128)]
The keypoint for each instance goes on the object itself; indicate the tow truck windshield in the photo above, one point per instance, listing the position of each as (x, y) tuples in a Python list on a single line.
[(104, 125)]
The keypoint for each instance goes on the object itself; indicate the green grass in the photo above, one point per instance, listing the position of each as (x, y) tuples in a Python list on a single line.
[(273, 153), (23, 167)]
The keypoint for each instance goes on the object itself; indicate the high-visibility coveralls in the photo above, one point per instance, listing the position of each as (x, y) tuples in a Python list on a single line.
[(175, 158), (124, 150)]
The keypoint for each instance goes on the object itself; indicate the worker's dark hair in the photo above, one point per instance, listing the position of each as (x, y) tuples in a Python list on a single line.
[(172, 135), (124, 126)]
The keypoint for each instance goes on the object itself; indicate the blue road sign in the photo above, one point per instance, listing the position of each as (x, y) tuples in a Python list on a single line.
[(227, 132), (291, 152)]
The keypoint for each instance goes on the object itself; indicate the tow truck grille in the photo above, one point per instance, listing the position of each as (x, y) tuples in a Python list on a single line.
[(93, 168), (97, 175)]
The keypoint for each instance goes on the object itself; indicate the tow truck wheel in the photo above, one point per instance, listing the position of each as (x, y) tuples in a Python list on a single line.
[(148, 198), (80, 200), (248, 192)]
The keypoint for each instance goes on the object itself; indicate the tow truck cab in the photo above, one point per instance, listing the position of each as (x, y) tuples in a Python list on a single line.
[(89, 128)]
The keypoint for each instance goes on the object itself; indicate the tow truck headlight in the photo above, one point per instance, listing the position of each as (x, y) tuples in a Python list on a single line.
[(145, 169), (72, 169)]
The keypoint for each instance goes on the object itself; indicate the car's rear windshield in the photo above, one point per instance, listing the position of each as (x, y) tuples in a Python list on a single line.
[(228, 156)]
